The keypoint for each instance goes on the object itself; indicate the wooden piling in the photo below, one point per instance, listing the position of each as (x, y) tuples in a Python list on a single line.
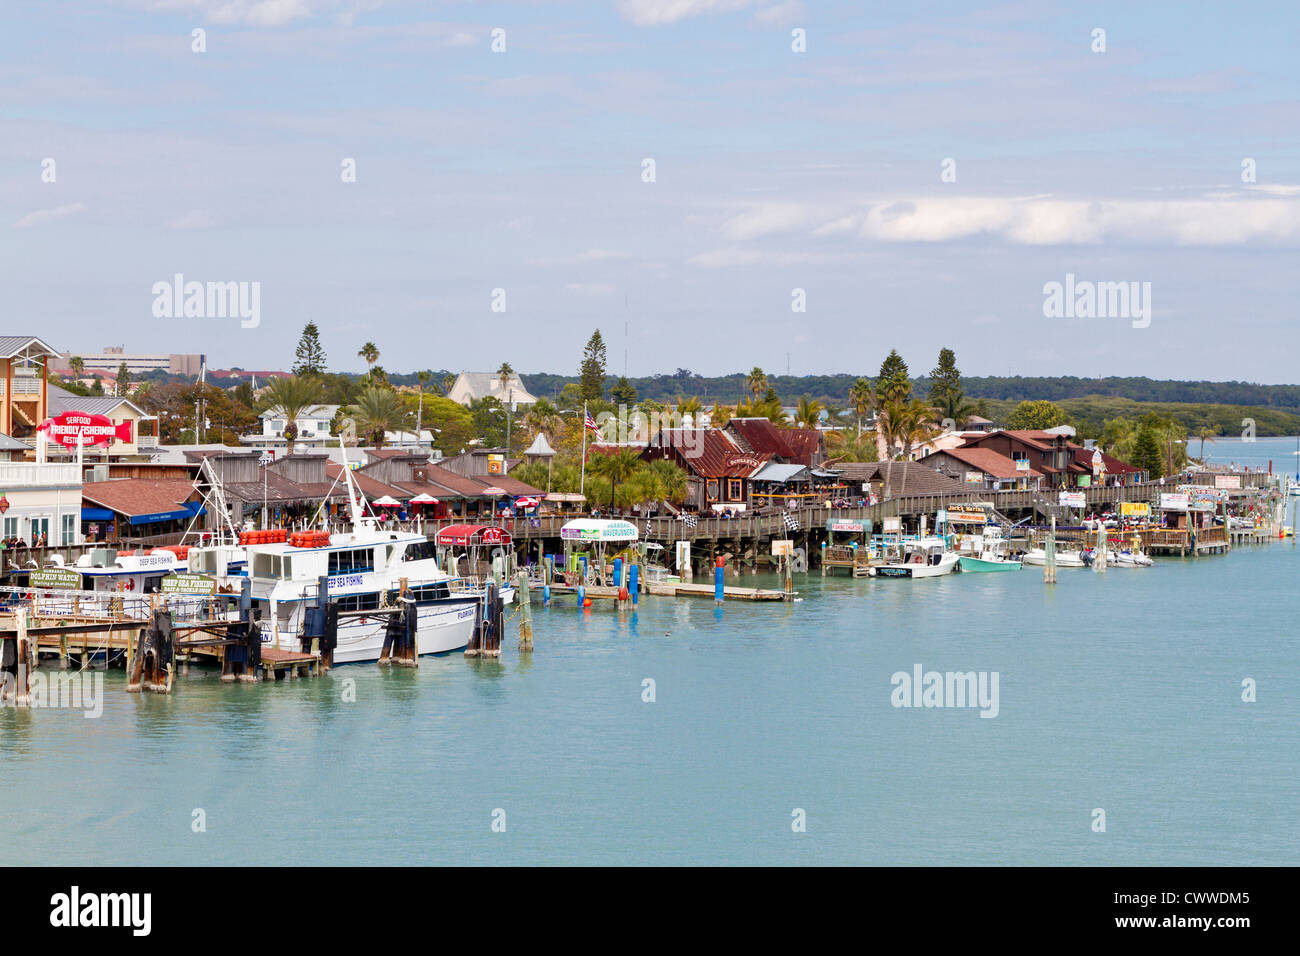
[(525, 614)]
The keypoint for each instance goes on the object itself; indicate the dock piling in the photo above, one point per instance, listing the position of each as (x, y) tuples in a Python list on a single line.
[(526, 613)]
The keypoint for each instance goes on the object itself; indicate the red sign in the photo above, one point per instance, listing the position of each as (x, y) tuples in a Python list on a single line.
[(82, 428), (4, 504)]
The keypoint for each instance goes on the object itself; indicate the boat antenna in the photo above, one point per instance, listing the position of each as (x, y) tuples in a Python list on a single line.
[(355, 500)]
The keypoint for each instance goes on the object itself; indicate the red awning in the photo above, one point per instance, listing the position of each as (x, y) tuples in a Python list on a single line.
[(466, 534)]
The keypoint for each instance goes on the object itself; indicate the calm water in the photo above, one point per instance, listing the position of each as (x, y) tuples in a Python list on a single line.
[(1119, 691)]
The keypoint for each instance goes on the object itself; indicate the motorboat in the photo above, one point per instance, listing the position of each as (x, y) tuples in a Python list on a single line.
[(1064, 559), (986, 552), (921, 558)]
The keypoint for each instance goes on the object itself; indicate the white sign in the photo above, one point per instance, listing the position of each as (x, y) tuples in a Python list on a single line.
[(1022, 464), (893, 525), (1173, 502), (1073, 499), (782, 547), (1227, 481)]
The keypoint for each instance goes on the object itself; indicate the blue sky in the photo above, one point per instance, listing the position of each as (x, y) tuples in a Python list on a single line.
[(775, 170)]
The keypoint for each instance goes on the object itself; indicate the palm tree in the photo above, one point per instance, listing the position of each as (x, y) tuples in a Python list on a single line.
[(504, 373), (544, 417), (860, 400), (1205, 433), (688, 406), (422, 379), (78, 366), (808, 412), (844, 447), (913, 425), (756, 381), (618, 467), (671, 479), (369, 352), (289, 397), (378, 410), (448, 381)]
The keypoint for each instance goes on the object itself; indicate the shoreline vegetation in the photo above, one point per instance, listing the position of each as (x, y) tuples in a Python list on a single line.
[(1156, 424)]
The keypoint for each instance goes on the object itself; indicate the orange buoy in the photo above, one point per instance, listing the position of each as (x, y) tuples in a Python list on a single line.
[(586, 602)]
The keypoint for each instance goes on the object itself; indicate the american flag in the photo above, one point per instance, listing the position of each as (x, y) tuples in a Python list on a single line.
[(791, 522), (591, 423)]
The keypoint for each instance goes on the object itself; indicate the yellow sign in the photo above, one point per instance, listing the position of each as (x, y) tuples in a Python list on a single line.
[(1134, 509)]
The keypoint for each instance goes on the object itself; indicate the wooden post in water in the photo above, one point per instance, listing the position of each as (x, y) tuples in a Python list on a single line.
[(1049, 562), (1099, 562), (25, 660), (525, 614)]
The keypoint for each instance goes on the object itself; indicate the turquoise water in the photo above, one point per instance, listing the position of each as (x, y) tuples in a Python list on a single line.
[(1119, 691)]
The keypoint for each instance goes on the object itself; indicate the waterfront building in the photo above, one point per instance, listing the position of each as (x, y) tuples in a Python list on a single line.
[(719, 469), (313, 426), (471, 386)]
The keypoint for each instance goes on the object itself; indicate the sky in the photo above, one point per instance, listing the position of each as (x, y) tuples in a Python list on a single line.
[(912, 175)]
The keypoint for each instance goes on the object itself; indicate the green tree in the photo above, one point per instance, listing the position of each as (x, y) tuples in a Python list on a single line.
[(369, 352), (623, 392), (309, 357), (1036, 416), (616, 467), (860, 401), (1205, 433), (78, 366), (591, 373), (756, 381), (894, 381), (1146, 453), (946, 394), (288, 397), (808, 412), (378, 410), (123, 379)]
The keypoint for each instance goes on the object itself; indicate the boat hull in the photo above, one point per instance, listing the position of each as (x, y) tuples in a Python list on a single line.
[(441, 627), (945, 566), (1064, 559), (969, 564)]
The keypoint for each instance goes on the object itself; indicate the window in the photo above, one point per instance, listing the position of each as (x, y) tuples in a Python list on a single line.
[(11, 527), (359, 602), (349, 562), (419, 551), (734, 491), (712, 489), (427, 592), (273, 567), (69, 529)]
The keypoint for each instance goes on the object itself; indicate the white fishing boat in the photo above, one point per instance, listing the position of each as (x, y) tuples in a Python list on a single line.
[(1064, 559), (363, 570), (1126, 558), (921, 558)]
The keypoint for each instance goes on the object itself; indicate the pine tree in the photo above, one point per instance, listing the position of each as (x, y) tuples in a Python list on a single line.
[(309, 358), (623, 392), (894, 382), (1146, 453), (945, 379), (591, 374)]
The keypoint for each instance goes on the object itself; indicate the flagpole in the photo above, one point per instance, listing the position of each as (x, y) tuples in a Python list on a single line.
[(582, 480)]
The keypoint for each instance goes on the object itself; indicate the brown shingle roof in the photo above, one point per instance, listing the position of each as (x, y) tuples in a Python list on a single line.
[(707, 452), (904, 477), (139, 496), (987, 461), (759, 435)]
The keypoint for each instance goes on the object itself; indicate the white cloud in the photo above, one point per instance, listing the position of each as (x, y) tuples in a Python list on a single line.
[(49, 215), (258, 13), (785, 12), (1215, 219), (653, 13)]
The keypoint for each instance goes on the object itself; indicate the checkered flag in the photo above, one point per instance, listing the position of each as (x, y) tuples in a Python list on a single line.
[(791, 522), (690, 521)]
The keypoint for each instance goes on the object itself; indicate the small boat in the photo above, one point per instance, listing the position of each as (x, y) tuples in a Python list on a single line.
[(986, 552), (1064, 559), (1119, 559), (922, 558)]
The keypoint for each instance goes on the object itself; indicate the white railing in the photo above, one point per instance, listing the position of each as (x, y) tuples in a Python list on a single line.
[(15, 474)]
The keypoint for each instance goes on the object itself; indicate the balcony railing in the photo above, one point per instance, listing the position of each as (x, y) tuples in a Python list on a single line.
[(17, 474)]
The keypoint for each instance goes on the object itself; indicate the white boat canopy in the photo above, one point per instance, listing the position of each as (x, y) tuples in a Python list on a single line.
[(598, 529)]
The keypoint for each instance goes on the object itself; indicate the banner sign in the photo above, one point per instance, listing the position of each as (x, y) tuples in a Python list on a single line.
[(1022, 464), (974, 477), (782, 547), (185, 583), (82, 428), (1072, 499), (966, 516), (1172, 502), (1134, 509), (1227, 481), (60, 578)]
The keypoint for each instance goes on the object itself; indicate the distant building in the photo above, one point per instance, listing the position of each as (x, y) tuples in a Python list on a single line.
[(137, 363), (471, 386), (313, 428)]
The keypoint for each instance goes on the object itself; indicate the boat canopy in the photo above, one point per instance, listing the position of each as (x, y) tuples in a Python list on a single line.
[(598, 529), (470, 534), (849, 525)]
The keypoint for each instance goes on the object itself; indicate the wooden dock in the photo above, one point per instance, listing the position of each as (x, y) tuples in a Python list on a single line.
[(728, 593)]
